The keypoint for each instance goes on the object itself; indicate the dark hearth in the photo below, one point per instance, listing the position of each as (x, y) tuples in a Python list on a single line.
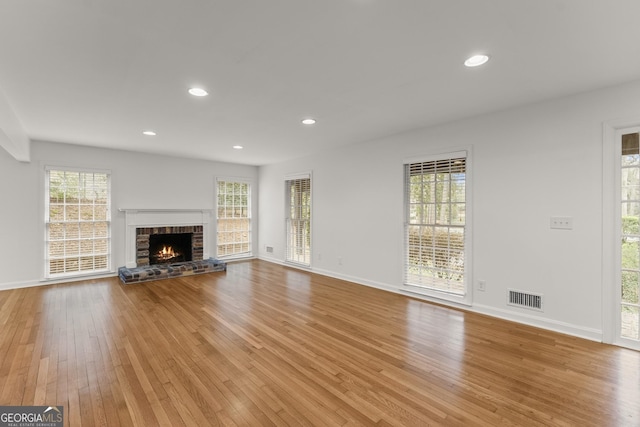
[(166, 271), (170, 248)]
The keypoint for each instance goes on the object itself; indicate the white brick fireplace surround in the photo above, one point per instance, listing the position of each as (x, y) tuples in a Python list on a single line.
[(148, 218)]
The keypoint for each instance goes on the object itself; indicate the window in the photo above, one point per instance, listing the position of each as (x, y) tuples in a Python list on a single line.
[(77, 222), (298, 199), (435, 230), (234, 219), (630, 243)]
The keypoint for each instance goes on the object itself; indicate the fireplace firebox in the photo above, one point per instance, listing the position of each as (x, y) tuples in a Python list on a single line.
[(168, 245), (169, 248)]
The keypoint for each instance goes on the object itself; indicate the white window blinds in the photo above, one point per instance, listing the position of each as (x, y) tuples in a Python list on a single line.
[(435, 194), (77, 222), (298, 221)]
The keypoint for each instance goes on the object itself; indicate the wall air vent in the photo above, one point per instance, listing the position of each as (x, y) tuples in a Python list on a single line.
[(524, 299)]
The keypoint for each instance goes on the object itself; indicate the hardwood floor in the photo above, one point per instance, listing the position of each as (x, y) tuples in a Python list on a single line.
[(266, 345)]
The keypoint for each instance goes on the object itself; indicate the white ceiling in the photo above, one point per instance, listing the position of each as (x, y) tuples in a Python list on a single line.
[(99, 72)]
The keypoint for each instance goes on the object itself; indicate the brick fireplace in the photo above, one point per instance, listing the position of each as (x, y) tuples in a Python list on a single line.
[(143, 223), (179, 227)]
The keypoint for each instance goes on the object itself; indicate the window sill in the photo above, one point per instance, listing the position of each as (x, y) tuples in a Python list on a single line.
[(78, 276), (436, 296)]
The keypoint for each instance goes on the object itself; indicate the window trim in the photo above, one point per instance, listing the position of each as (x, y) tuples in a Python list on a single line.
[(442, 154), (46, 272), (611, 226), (250, 184), (612, 291)]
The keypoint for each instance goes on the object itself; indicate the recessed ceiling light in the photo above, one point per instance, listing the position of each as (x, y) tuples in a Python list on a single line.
[(196, 91), (149, 133), (476, 60), (238, 147), (309, 122)]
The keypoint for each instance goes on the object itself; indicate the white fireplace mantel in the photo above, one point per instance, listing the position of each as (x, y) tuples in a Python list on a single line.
[(140, 218)]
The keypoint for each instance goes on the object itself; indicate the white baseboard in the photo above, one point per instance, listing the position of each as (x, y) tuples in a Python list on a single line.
[(18, 285), (538, 322), (356, 280), (31, 283), (523, 318), (271, 260)]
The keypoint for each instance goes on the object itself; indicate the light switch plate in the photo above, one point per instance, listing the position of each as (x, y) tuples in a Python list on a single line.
[(562, 222)]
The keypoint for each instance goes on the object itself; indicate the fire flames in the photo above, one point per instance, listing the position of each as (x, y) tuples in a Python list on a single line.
[(166, 253)]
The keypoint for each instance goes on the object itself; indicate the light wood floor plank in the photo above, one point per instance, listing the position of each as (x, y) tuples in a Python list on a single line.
[(266, 345)]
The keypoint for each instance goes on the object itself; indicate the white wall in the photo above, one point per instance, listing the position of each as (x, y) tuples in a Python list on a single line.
[(137, 181), (13, 138), (529, 164)]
